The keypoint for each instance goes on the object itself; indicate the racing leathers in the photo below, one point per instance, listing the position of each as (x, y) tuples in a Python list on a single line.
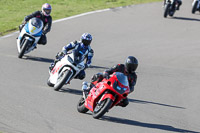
[(47, 21), (87, 53)]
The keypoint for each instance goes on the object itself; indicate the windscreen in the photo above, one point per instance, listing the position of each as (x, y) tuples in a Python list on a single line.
[(78, 56), (36, 22), (122, 78)]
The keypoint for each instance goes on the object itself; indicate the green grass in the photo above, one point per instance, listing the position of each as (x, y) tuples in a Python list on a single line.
[(12, 12)]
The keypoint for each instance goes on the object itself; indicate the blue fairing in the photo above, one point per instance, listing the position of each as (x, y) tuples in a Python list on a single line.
[(38, 34), (26, 28)]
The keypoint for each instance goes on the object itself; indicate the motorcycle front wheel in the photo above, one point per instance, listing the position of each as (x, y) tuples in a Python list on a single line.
[(101, 108), (64, 76), (166, 11), (49, 83), (23, 48), (81, 107), (194, 7)]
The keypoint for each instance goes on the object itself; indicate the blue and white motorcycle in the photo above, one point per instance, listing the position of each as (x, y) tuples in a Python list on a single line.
[(29, 36)]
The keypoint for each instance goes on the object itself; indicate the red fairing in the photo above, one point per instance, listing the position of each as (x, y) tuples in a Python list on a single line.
[(109, 88)]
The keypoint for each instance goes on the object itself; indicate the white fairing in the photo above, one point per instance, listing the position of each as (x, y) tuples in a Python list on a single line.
[(30, 30), (65, 64), (170, 1)]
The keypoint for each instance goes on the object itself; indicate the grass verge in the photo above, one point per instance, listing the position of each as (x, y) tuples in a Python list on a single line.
[(12, 12)]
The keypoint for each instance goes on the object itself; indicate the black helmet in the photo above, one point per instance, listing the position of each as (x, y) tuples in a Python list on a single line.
[(131, 64)]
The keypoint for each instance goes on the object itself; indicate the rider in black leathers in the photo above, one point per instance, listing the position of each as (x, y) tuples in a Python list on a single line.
[(44, 15), (128, 69)]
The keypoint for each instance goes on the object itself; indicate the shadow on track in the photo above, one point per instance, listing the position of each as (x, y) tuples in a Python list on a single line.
[(188, 19), (40, 59), (80, 92), (147, 102), (72, 91), (147, 125), (98, 67)]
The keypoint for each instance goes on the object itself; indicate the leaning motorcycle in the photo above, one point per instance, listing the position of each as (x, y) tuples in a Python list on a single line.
[(104, 95), (29, 36), (66, 69), (195, 6), (170, 7)]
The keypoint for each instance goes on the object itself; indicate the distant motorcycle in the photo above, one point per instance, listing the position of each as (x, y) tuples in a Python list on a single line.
[(66, 69), (29, 36), (104, 95), (195, 6), (170, 7)]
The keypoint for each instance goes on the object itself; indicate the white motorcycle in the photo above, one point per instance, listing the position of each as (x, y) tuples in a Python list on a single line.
[(66, 69), (29, 36), (195, 6)]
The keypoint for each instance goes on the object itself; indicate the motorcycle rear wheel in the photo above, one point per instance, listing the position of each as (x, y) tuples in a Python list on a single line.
[(171, 13), (62, 80), (102, 108), (23, 48), (81, 107)]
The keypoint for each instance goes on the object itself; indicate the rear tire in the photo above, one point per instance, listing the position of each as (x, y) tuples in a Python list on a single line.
[(62, 80), (81, 107), (194, 7), (171, 13), (23, 48), (102, 108)]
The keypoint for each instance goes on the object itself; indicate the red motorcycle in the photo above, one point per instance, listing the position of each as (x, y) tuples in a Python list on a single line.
[(104, 95)]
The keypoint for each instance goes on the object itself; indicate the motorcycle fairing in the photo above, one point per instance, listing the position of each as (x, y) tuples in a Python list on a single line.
[(65, 63)]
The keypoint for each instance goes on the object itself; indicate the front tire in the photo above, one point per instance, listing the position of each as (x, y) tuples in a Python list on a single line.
[(81, 107), (23, 48), (65, 75), (194, 7), (166, 11), (102, 108), (49, 83)]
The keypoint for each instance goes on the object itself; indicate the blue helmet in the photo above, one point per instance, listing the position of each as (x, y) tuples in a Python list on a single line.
[(86, 39)]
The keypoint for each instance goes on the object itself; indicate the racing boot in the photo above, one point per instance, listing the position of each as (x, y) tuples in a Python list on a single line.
[(85, 88), (179, 4), (51, 66), (123, 102)]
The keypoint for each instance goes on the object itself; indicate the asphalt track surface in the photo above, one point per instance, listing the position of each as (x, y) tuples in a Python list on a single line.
[(166, 97)]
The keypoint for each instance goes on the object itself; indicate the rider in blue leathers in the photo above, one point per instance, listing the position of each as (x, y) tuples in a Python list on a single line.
[(84, 46)]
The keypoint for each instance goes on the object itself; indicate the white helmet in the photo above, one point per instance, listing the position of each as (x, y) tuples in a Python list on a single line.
[(46, 9)]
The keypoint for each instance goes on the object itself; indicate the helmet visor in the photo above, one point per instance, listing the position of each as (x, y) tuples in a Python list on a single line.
[(86, 42), (47, 11), (131, 67)]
